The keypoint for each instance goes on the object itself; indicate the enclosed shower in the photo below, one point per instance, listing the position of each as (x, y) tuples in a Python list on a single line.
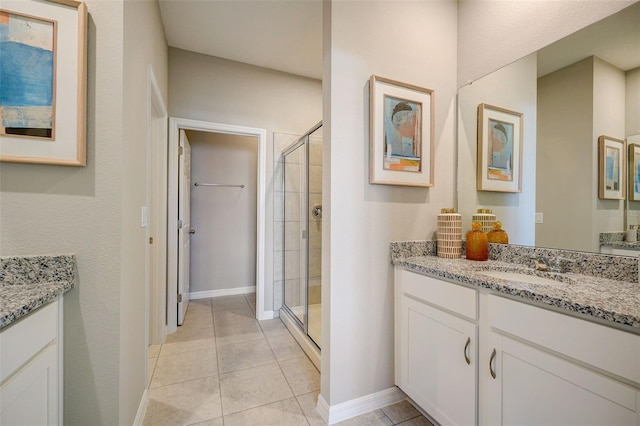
[(300, 165)]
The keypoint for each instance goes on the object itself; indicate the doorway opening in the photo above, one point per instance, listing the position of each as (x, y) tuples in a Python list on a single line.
[(175, 291)]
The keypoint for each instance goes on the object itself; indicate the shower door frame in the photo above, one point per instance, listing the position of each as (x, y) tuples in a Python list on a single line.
[(304, 140)]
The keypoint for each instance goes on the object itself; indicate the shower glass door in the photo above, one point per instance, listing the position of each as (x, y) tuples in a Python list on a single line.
[(295, 231)]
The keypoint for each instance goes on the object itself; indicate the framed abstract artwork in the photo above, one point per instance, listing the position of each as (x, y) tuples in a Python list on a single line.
[(400, 133), (43, 49), (633, 192), (499, 149), (611, 172)]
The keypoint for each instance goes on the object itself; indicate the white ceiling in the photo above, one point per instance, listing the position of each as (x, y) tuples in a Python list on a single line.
[(284, 35)]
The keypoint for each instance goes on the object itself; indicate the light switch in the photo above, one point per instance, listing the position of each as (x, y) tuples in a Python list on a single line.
[(539, 217), (143, 217)]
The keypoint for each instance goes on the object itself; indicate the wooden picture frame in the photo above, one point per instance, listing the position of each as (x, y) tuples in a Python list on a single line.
[(401, 133), (633, 168), (499, 157), (43, 106), (611, 168)]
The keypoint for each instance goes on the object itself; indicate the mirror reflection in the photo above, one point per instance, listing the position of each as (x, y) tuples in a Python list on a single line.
[(569, 94)]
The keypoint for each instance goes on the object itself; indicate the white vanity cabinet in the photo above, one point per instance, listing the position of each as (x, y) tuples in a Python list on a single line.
[(546, 368), (30, 371), (436, 346), (523, 364)]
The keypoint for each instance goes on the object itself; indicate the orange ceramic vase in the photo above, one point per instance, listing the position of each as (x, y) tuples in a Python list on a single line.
[(477, 243), (497, 234)]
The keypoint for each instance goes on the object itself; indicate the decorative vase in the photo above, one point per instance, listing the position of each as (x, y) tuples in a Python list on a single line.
[(477, 243), (449, 234), (497, 234)]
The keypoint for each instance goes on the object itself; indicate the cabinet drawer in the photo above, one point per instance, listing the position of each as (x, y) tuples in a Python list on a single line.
[(451, 297), (606, 348), (22, 340)]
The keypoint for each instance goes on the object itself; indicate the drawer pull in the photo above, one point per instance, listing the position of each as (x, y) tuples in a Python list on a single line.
[(491, 370), (466, 349)]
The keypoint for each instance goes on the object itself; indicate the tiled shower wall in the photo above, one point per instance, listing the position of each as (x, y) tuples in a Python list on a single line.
[(315, 224)]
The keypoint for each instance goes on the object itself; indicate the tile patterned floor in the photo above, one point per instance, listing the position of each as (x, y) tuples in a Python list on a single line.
[(224, 368)]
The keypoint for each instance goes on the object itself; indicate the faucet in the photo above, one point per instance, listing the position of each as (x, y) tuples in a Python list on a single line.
[(557, 264)]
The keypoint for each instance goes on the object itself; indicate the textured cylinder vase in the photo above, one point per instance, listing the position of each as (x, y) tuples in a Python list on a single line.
[(486, 219), (449, 234)]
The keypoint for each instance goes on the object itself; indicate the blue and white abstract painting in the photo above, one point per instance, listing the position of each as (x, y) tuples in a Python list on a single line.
[(27, 61)]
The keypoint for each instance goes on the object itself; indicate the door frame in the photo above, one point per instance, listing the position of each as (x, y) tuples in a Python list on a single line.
[(155, 254), (175, 124)]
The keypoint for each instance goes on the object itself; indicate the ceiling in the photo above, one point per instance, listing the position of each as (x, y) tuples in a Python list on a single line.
[(284, 35)]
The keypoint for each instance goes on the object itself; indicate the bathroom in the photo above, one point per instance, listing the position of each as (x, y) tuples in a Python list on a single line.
[(94, 211)]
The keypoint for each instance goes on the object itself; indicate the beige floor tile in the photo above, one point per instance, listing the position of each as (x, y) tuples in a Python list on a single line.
[(238, 356), (251, 300), (301, 374), (272, 325), (184, 403), (374, 418), (185, 366), (253, 387), (279, 413), (284, 346), (309, 402), (243, 332), (234, 317), (210, 422), (185, 340), (228, 303), (154, 351), (198, 320), (400, 412), (151, 365), (417, 421)]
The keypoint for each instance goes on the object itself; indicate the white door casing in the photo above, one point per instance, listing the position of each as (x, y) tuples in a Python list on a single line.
[(175, 124), (184, 224)]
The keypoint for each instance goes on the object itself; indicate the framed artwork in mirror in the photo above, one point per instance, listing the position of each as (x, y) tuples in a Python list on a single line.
[(43, 80), (611, 163), (634, 172), (401, 133), (499, 154)]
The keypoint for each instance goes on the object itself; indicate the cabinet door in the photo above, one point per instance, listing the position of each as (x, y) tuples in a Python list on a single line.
[(534, 387), (30, 397), (436, 362)]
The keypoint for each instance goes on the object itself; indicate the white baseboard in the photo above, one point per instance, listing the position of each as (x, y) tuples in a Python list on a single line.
[(355, 407), (142, 409), (266, 315), (223, 292)]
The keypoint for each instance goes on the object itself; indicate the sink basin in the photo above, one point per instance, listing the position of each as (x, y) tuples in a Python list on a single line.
[(523, 278)]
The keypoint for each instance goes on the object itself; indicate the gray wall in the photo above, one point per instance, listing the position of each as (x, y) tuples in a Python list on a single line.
[(91, 211), (223, 249), (216, 90)]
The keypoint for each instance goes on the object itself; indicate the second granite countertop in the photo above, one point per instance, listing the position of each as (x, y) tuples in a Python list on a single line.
[(614, 301)]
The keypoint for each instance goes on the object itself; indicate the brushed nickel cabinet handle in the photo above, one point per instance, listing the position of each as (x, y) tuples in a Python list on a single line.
[(466, 349), (491, 370)]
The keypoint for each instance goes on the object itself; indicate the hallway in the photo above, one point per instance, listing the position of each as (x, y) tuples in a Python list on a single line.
[(223, 367)]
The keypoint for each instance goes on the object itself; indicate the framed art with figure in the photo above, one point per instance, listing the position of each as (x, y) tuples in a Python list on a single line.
[(400, 133), (43, 47), (611, 163), (499, 149), (634, 171)]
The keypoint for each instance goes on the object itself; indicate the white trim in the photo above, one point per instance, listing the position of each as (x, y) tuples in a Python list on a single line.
[(60, 360), (156, 111), (175, 124), (355, 407), (303, 340), (142, 409), (220, 293)]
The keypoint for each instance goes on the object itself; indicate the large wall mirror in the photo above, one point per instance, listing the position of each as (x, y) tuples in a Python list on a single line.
[(569, 93)]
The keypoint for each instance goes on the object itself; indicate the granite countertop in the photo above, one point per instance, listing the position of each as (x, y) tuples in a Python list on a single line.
[(627, 245), (29, 282), (600, 299)]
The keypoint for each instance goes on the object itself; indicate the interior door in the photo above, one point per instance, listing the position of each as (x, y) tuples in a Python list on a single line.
[(184, 224)]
